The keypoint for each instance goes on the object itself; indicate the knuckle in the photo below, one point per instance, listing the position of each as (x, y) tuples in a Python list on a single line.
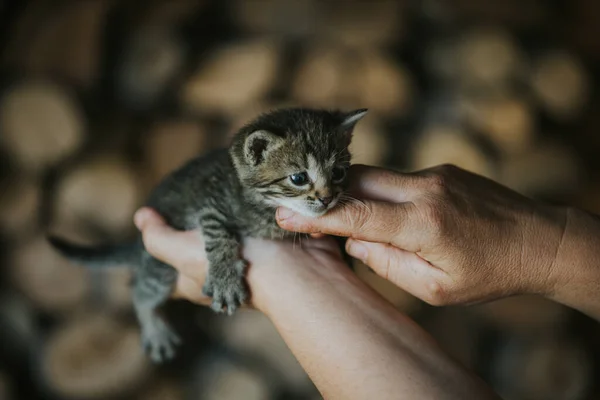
[(360, 218), (437, 184), (434, 215)]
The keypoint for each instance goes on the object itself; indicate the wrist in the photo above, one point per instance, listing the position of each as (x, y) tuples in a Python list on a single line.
[(287, 279), (577, 263), (546, 230)]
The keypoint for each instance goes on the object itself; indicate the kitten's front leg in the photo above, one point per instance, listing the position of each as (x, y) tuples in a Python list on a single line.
[(225, 279)]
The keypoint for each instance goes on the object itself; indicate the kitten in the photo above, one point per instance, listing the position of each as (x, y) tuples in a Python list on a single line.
[(294, 157)]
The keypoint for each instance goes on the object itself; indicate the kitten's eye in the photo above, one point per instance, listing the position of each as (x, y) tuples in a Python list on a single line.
[(300, 179), (338, 174)]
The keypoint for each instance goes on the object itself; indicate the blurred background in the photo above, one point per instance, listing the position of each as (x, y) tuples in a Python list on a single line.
[(99, 99)]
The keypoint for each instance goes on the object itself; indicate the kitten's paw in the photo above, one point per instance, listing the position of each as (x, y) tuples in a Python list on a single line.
[(227, 294), (160, 341)]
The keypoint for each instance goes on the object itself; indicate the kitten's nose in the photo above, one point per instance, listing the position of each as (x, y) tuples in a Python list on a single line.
[(325, 200)]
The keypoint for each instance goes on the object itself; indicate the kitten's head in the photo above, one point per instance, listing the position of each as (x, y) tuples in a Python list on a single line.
[(296, 157)]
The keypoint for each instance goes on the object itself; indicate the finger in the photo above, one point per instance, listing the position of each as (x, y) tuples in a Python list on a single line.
[(404, 269), (372, 221), (382, 184), (183, 250)]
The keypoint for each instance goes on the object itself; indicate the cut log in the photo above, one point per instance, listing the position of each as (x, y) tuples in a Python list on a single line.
[(547, 169), (20, 201), (233, 77), (321, 76), (561, 84), (543, 367), (94, 356), (385, 87), (523, 314), (40, 124), (48, 280), (444, 144), (488, 57), (343, 77), (508, 122), (103, 192), (170, 144), (403, 300), (370, 144)]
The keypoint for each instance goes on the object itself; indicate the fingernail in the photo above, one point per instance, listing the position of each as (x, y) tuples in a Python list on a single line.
[(357, 250), (140, 217), (284, 213)]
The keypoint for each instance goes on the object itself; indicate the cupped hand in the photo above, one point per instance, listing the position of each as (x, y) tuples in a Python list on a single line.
[(445, 235), (184, 250)]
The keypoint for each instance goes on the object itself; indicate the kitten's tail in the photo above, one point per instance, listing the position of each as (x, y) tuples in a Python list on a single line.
[(124, 255)]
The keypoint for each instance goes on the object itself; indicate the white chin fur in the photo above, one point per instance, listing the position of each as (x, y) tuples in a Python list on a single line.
[(303, 208)]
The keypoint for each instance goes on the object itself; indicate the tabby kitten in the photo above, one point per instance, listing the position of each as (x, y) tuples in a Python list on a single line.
[(294, 157)]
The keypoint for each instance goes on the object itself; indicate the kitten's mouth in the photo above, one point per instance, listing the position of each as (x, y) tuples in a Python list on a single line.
[(307, 208)]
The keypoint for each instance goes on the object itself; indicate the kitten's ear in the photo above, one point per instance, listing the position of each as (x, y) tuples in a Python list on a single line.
[(350, 120), (259, 144)]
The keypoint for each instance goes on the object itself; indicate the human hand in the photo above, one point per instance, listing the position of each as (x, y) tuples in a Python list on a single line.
[(444, 234), (184, 250)]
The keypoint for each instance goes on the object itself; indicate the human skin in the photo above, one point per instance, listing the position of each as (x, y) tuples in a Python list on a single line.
[(352, 343), (452, 237)]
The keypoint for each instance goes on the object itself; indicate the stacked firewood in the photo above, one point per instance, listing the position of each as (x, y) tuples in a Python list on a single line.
[(101, 99)]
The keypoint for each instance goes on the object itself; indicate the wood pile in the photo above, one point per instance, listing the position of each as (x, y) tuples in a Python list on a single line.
[(101, 99)]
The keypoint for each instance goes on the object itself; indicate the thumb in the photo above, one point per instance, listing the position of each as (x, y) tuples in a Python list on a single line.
[(404, 269), (370, 220), (184, 250)]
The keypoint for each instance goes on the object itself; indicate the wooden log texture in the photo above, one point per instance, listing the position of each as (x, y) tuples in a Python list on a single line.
[(48, 280), (41, 124), (102, 193), (169, 144), (561, 84), (508, 121), (94, 356), (233, 77), (445, 144), (20, 202), (336, 76), (546, 169), (488, 57), (370, 143)]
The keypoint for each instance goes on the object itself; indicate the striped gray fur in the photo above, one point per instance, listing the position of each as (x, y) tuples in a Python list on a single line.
[(230, 194)]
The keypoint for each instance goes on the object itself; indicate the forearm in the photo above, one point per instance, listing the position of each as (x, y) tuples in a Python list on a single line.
[(577, 264), (352, 343)]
